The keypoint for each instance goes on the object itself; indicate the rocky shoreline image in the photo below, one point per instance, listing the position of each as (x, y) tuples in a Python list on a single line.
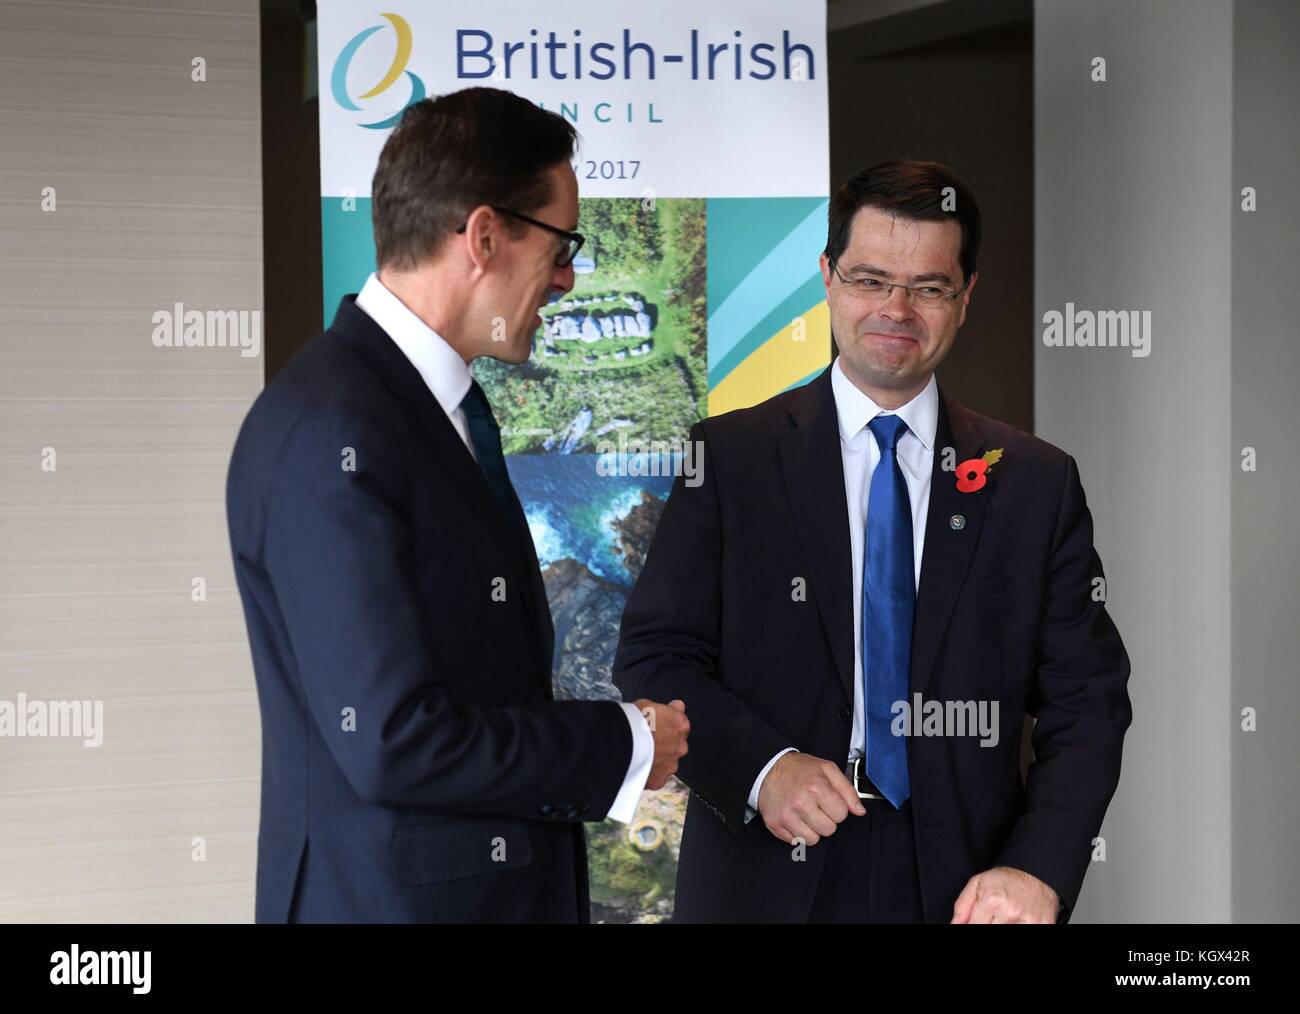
[(633, 867)]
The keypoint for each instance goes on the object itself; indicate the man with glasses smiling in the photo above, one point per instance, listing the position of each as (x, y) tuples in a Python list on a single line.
[(860, 546), (416, 767)]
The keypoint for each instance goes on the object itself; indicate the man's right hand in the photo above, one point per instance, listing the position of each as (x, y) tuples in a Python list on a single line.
[(670, 727), (805, 797)]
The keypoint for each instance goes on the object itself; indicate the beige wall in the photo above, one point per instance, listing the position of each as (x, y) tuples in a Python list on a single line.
[(158, 187)]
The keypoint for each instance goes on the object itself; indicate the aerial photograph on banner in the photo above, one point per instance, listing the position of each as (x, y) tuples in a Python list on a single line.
[(624, 353)]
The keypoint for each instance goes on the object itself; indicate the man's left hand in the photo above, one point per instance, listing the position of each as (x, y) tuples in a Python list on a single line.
[(1005, 895)]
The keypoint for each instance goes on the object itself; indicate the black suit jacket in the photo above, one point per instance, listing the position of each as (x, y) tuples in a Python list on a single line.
[(415, 767), (1005, 611)]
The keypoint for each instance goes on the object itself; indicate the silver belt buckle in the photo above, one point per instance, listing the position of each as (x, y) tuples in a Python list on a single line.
[(851, 769)]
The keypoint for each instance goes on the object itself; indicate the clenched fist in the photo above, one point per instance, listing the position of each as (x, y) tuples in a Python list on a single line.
[(805, 797), (1004, 894)]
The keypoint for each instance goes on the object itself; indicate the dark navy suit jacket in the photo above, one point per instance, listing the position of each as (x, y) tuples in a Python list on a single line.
[(415, 767), (1005, 612)]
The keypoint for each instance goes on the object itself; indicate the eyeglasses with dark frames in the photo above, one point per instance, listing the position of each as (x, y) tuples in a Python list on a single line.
[(573, 240)]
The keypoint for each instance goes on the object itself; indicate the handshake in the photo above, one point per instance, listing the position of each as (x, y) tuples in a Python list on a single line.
[(670, 727)]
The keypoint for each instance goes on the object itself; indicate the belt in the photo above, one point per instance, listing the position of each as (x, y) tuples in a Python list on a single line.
[(857, 777)]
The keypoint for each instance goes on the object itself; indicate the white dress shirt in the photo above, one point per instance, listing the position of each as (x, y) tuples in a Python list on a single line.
[(861, 454), (448, 378)]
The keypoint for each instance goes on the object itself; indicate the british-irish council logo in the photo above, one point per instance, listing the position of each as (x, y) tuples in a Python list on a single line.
[(339, 78)]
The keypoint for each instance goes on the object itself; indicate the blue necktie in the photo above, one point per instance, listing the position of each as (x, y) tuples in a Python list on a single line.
[(485, 435), (888, 603)]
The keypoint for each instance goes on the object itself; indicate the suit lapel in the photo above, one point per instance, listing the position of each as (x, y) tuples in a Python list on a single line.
[(948, 549), (814, 480), (435, 430)]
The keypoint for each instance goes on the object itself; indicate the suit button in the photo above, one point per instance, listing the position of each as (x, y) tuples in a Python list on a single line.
[(547, 809), (571, 812), (843, 713)]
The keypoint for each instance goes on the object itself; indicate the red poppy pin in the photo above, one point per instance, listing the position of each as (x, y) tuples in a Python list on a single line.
[(972, 474)]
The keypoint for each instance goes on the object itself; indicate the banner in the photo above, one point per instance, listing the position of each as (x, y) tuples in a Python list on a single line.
[(703, 173)]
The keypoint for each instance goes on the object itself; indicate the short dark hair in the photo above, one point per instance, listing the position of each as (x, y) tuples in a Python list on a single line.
[(450, 154), (910, 190)]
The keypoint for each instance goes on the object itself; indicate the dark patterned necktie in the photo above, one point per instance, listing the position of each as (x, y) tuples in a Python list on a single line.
[(486, 438)]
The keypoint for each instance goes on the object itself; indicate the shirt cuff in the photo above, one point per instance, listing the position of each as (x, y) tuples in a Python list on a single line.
[(638, 769), (752, 808)]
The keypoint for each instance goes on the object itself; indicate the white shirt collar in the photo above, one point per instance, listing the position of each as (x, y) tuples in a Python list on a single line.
[(855, 409), (444, 372)]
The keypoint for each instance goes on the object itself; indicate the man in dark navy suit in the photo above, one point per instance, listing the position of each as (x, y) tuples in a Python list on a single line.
[(859, 603), (415, 766)]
